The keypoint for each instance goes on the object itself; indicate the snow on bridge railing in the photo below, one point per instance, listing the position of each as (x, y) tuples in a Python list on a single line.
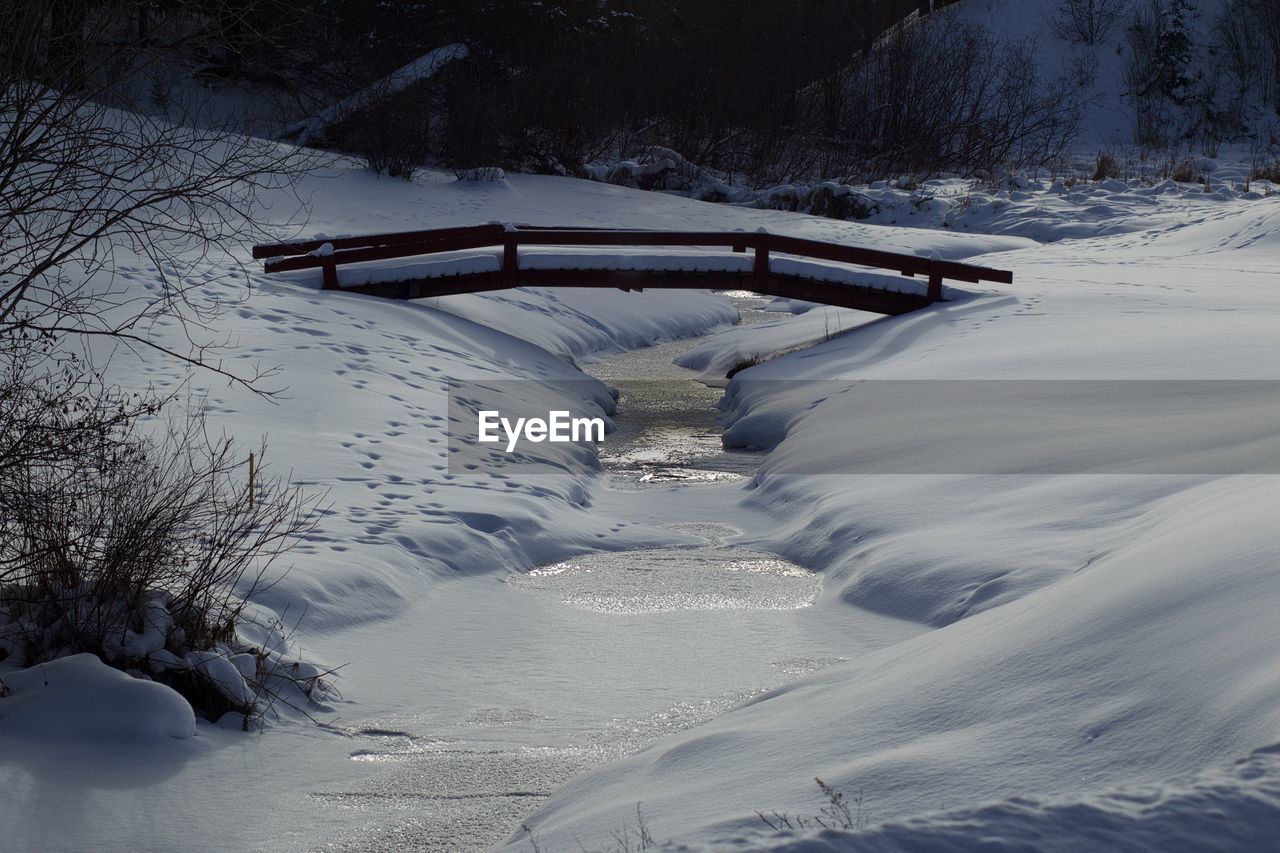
[(328, 253)]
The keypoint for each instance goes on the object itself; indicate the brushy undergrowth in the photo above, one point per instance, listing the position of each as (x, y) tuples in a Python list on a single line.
[(141, 539), (838, 813)]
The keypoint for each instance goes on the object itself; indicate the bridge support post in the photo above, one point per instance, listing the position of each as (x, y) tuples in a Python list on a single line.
[(329, 273), (760, 270), (935, 285), (510, 259)]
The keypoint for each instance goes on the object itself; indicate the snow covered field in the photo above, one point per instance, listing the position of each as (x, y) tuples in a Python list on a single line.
[(1058, 638), (1093, 630)]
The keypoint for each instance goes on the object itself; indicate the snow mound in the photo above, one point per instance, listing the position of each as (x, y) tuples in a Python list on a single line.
[(81, 698), (1094, 631), (1117, 675), (1229, 809), (739, 346)]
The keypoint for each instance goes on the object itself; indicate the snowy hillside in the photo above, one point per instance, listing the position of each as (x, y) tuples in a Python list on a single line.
[(1110, 117), (993, 638), (995, 569), (363, 419), (1236, 808), (390, 362), (1099, 630)]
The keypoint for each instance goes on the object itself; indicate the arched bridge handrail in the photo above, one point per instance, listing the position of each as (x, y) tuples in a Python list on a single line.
[(328, 253)]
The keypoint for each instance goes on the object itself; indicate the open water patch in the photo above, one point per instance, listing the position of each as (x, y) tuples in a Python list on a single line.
[(664, 580)]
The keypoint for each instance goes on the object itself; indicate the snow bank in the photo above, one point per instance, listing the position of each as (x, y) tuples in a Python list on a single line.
[(1236, 808), (1151, 661), (576, 323), (734, 347), (1093, 630), (81, 698), (366, 421), (1051, 207), (1133, 643)]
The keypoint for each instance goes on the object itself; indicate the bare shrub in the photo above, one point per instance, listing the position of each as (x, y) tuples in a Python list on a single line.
[(629, 840), (1184, 172), (86, 172), (480, 174), (841, 203), (1087, 21), (941, 96), (391, 131), (127, 538), (1105, 167), (394, 138), (837, 813), (1266, 172), (1249, 53), (120, 534)]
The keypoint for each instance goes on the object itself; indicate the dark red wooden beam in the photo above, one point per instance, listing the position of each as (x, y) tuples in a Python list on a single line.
[(366, 241), (790, 287), (348, 250)]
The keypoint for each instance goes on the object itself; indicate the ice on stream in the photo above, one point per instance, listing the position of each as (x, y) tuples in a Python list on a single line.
[(674, 579)]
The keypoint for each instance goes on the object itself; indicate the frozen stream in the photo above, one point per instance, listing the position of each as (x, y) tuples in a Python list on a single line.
[(571, 665)]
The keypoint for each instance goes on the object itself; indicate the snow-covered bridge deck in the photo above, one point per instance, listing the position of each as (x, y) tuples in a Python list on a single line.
[(447, 261)]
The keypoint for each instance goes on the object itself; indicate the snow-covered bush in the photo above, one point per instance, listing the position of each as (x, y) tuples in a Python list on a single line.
[(131, 538), (137, 541), (664, 169)]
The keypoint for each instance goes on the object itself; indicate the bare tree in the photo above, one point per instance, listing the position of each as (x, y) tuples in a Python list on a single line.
[(1262, 17), (940, 96), (1087, 21), (109, 522), (1248, 54), (86, 173)]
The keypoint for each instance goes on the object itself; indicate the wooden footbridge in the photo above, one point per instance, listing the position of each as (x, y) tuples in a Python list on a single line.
[(447, 261)]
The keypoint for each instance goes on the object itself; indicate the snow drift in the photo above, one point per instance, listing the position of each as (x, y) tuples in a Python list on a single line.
[(81, 698)]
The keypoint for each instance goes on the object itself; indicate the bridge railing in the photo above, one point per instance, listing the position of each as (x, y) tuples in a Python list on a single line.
[(328, 253)]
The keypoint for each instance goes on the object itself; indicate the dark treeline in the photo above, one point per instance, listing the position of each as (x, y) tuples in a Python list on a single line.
[(550, 85), (767, 91), (763, 90)]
